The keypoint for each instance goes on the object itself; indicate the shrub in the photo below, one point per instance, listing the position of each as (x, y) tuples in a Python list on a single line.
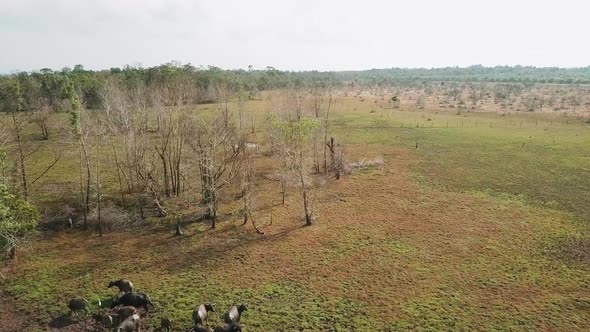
[(114, 218), (18, 219)]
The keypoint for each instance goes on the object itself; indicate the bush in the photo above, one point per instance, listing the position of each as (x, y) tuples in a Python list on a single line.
[(18, 219), (114, 218)]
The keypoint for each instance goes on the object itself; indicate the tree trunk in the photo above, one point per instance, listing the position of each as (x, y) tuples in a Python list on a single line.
[(283, 188), (179, 231), (141, 214), (86, 195), (98, 193), (21, 158), (119, 178), (44, 130), (12, 253), (178, 175), (308, 220), (85, 215), (331, 146), (166, 181), (245, 216), (213, 215), (326, 134)]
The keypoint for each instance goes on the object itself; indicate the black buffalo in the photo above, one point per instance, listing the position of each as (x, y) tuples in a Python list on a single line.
[(138, 300)]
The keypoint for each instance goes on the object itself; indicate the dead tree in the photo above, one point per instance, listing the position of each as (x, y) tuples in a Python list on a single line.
[(326, 125), (216, 150), (246, 170)]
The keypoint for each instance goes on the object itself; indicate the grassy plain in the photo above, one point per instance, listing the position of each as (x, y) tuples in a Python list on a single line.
[(462, 228)]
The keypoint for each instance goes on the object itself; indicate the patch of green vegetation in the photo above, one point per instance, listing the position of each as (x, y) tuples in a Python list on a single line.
[(546, 165), (284, 306), (444, 311), (527, 163)]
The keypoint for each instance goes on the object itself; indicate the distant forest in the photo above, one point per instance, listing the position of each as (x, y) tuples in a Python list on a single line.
[(49, 87)]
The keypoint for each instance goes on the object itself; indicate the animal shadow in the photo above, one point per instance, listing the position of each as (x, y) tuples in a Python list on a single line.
[(61, 322)]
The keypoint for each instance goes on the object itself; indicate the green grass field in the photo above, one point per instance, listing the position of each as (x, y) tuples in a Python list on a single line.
[(467, 231)]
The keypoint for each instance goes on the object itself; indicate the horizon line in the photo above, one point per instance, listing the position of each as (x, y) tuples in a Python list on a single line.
[(209, 67)]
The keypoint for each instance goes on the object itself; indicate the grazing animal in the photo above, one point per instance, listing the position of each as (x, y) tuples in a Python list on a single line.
[(116, 318), (106, 320), (125, 311), (201, 312), (131, 324), (138, 300), (166, 324), (233, 327), (199, 328), (78, 304), (234, 313), (124, 285)]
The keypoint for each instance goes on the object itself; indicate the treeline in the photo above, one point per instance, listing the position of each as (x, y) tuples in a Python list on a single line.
[(507, 74), (45, 89)]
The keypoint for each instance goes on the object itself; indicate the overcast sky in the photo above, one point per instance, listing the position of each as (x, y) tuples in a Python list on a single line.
[(293, 35)]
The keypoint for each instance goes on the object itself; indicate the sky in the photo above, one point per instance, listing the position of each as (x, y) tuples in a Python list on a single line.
[(293, 35)]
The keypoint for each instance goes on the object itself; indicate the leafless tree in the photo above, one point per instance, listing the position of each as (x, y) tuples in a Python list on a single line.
[(326, 129), (83, 137), (246, 168), (216, 149), (169, 149), (25, 149), (420, 102), (17, 127), (42, 118), (100, 132), (292, 130), (129, 144)]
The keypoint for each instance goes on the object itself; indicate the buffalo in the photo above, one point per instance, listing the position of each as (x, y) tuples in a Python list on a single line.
[(137, 300), (124, 285), (234, 313), (78, 304), (201, 312)]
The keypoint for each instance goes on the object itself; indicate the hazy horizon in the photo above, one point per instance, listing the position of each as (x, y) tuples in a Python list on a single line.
[(292, 35), (205, 67)]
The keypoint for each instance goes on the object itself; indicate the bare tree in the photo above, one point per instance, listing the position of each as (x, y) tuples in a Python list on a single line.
[(217, 153), (337, 159), (100, 132), (420, 102), (82, 135), (326, 127), (129, 145), (24, 149), (17, 126), (246, 168), (293, 143), (41, 117), (575, 101)]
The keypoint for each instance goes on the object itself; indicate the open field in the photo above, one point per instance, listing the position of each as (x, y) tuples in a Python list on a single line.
[(475, 221)]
